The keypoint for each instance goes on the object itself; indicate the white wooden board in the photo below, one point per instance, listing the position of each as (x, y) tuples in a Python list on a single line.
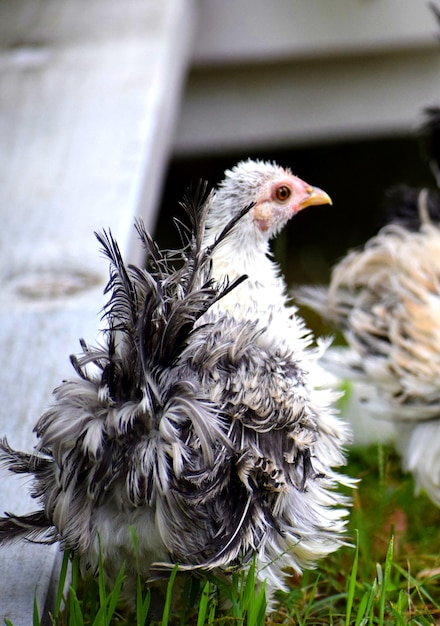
[(251, 31), (299, 103), (88, 96), (295, 72)]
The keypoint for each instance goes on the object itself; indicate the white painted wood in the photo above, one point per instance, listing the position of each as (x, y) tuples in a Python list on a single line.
[(88, 96), (261, 31), (261, 106), (292, 72)]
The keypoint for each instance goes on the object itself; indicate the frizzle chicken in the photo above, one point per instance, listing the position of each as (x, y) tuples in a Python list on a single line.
[(385, 297), (197, 423)]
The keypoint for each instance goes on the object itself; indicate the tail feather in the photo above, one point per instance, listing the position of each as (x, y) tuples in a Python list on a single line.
[(411, 207), (21, 462), (34, 527)]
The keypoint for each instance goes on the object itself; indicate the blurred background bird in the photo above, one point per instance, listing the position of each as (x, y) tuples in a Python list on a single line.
[(385, 297), (200, 422)]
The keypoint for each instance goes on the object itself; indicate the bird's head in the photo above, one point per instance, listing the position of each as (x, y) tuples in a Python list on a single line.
[(276, 194)]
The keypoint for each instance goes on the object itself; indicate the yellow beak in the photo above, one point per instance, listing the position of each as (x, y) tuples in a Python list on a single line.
[(314, 197)]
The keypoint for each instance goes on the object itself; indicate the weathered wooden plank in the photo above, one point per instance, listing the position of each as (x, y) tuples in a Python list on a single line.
[(292, 72), (253, 31), (88, 96), (300, 103)]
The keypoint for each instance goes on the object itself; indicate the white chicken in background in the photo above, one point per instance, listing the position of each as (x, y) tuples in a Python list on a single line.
[(385, 297)]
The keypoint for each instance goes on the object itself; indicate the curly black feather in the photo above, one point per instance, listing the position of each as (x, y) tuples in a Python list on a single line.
[(410, 207)]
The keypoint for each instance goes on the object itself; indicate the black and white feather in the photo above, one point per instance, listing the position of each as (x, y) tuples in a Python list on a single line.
[(196, 423)]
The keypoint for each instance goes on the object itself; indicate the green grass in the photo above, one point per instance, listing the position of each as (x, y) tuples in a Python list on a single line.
[(391, 574)]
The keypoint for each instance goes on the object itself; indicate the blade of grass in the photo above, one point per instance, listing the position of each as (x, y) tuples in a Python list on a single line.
[(36, 616), (399, 609), (62, 583), (75, 613), (169, 597), (212, 612), (311, 600), (235, 595), (74, 573), (362, 609), (368, 613), (203, 606), (256, 615), (142, 604), (114, 596), (385, 582), (352, 582), (248, 585)]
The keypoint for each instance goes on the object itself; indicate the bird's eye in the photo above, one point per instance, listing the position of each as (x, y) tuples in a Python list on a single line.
[(283, 193)]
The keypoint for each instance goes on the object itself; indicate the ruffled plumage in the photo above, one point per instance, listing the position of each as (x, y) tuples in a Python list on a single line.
[(190, 424)]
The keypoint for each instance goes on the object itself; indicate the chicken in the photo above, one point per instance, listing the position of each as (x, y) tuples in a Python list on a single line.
[(385, 297), (195, 424)]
